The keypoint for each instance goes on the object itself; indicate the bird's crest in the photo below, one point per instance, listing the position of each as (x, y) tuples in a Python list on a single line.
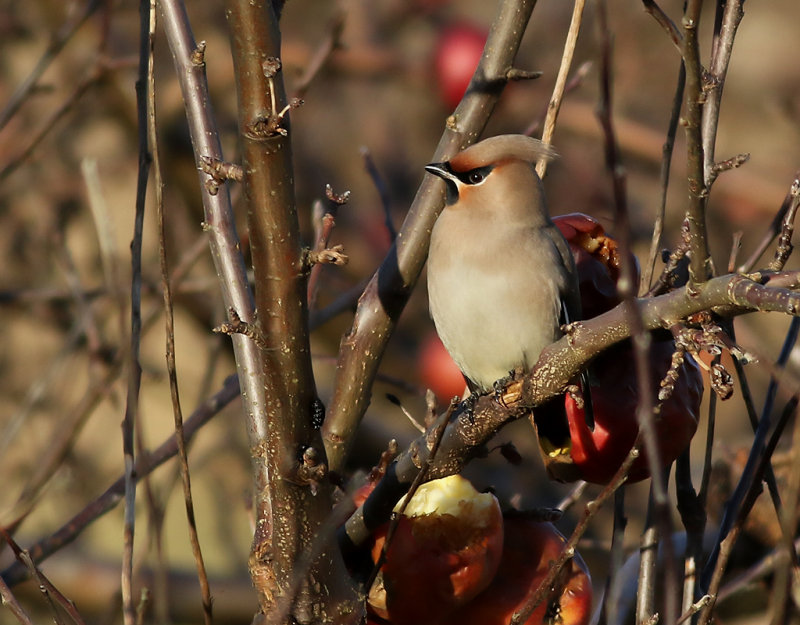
[(500, 148)]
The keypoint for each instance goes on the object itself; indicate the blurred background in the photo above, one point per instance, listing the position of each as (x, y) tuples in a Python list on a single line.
[(64, 312)]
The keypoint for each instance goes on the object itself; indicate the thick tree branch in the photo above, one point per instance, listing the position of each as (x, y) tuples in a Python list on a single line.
[(288, 511), (558, 364)]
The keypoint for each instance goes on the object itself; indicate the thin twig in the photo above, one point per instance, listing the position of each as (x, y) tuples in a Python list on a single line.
[(785, 247), (724, 548), (383, 191), (700, 268), (57, 43), (666, 161), (8, 599), (756, 464), (759, 570), (691, 507), (576, 81), (752, 414), (134, 368), (573, 497), (788, 518), (219, 220), (648, 560), (773, 230), (568, 551), (170, 333), (561, 80), (436, 440), (92, 78), (45, 585), (330, 43), (45, 547), (641, 339), (715, 80), (665, 22), (616, 557)]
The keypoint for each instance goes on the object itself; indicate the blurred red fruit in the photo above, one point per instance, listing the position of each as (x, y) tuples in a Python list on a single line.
[(573, 451), (529, 548), (438, 372), (456, 56)]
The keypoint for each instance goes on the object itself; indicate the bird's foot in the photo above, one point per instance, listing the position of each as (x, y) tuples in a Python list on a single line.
[(500, 385), (469, 406)]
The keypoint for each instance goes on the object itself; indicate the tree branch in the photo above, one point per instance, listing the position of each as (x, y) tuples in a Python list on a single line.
[(699, 259), (558, 364), (288, 511)]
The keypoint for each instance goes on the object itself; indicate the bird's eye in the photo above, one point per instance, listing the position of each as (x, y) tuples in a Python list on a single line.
[(476, 177)]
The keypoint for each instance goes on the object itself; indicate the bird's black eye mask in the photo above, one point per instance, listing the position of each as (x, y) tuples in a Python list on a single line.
[(471, 178)]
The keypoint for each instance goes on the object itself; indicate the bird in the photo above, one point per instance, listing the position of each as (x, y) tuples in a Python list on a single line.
[(501, 277)]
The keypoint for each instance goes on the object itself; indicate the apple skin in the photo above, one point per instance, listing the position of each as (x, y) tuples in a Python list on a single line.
[(595, 455), (458, 50), (599, 453), (437, 370), (529, 547)]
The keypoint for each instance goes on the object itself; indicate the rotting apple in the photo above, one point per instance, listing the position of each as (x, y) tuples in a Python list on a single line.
[(574, 450), (529, 549), (445, 550)]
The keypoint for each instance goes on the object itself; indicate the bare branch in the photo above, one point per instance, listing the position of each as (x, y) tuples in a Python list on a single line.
[(57, 43), (785, 246), (561, 81), (700, 268), (146, 42), (218, 213), (717, 71), (665, 22), (145, 464), (293, 413), (169, 319)]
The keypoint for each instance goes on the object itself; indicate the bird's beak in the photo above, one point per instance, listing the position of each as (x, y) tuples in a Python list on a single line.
[(442, 170)]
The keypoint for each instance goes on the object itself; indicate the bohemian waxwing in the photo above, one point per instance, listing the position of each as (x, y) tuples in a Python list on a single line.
[(501, 277)]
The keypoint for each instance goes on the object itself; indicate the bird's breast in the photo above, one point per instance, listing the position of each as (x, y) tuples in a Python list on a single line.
[(491, 309)]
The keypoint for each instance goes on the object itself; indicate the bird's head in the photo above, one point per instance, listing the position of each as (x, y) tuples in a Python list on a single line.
[(496, 176)]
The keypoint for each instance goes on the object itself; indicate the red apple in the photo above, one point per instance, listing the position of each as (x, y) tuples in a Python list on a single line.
[(529, 548), (455, 58), (445, 550), (572, 450), (438, 371)]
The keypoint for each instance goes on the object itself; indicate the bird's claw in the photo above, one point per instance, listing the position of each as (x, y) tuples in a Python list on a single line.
[(500, 385), (469, 406)]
